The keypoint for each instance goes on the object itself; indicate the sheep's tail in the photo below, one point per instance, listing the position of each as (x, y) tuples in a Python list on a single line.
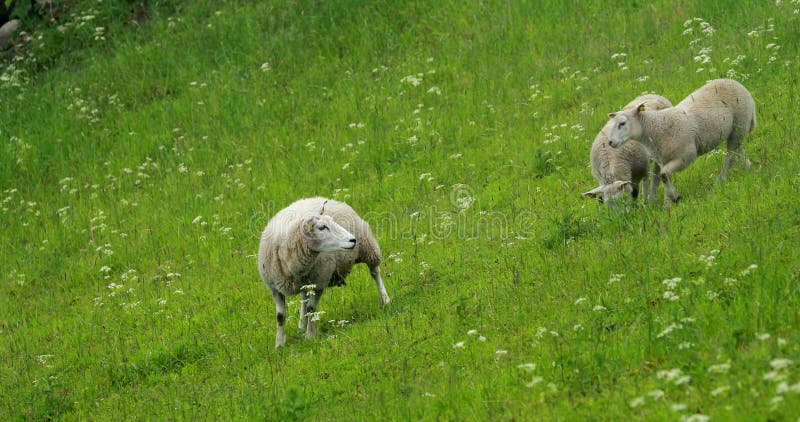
[(369, 251)]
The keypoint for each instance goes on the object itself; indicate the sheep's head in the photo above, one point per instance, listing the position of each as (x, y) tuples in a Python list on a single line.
[(626, 126), (610, 192), (325, 235)]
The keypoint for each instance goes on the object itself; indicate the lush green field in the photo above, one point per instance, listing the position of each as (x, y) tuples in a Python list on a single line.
[(140, 161)]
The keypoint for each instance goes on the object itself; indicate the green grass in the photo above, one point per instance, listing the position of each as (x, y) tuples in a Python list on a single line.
[(138, 170)]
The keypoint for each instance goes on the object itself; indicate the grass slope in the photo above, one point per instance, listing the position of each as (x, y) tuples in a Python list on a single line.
[(141, 160)]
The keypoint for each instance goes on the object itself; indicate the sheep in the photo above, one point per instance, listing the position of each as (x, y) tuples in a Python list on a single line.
[(7, 32), (308, 246), (674, 137), (623, 169)]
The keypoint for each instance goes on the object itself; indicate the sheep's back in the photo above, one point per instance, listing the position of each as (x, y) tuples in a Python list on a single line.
[(721, 109)]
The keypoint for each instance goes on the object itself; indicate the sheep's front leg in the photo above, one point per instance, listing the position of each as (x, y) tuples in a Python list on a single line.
[(280, 311), (311, 315), (655, 177), (376, 274), (303, 300), (670, 193), (635, 189)]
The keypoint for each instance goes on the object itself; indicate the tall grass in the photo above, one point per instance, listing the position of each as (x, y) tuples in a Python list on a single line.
[(139, 166)]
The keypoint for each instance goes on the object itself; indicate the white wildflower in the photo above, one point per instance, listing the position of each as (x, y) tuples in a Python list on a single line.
[(668, 329), (638, 401), (720, 368), (697, 417), (780, 363), (670, 375), (678, 407), (774, 376), (534, 381), (670, 296), (413, 80), (672, 283), (748, 270), (719, 390)]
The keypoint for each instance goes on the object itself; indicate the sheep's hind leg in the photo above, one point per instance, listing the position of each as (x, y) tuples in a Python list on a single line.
[(280, 317), (376, 274), (311, 312), (735, 149)]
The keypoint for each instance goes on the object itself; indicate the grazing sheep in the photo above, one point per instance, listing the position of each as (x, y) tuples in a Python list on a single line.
[(7, 32), (623, 169), (676, 136), (308, 246)]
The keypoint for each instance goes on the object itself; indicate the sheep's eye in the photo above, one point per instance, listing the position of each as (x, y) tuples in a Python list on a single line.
[(323, 228), (621, 125)]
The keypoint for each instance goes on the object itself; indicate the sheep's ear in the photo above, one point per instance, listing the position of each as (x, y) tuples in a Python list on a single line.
[(621, 185), (594, 193), (612, 115), (640, 108), (308, 226)]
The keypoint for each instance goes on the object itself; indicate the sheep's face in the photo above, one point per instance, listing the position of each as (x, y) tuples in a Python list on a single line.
[(325, 235), (625, 127), (611, 192)]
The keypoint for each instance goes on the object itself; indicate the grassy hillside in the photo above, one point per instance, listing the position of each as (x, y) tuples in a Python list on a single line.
[(140, 161)]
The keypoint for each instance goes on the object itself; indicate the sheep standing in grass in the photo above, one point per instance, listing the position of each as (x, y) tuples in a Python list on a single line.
[(308, 246), (624, 169), (676, 136)]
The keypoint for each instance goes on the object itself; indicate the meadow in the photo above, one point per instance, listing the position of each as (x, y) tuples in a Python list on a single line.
[(144, 146)]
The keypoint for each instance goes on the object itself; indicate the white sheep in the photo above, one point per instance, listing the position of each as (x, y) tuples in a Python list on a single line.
[(624, 169), (308, 246), (674, 137)]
